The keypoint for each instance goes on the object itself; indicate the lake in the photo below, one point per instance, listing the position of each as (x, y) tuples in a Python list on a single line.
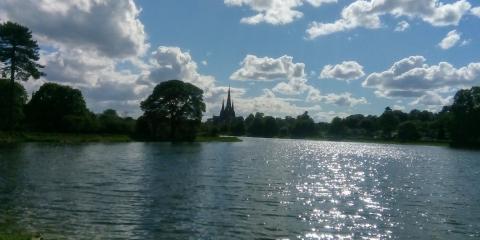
[(255, 189)]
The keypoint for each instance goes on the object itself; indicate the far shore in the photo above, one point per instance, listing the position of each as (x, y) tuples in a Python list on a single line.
[(21, 137)]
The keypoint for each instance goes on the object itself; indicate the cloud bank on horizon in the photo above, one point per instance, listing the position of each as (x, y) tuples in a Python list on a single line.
[(116, 51)]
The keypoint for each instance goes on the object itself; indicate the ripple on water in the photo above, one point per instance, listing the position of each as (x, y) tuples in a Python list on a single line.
[(260, 188)]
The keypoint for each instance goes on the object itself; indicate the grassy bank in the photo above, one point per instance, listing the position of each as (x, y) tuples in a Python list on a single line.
[(16, 236), (20, 137), (60, 137)]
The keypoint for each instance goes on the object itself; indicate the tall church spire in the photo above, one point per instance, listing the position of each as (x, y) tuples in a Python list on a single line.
[(222, 111), (227, 113), (229, 101)]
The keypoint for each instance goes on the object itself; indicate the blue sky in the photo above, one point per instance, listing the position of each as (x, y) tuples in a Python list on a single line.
[(294, 56)]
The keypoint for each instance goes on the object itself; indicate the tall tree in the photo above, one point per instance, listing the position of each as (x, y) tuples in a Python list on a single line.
[(58, 108), (19, 56), (178, 103), (465, 129), (18, 105)]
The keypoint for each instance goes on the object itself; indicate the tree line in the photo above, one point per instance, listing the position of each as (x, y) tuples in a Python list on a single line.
[(457, 124)]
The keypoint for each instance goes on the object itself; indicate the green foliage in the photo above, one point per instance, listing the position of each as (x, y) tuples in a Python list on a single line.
[(237, 127), (57, 108), (18, 52), (407, 131), (172, 112), (20, 98), (110, 122), (18, 56), (465, 127), (304, 126)]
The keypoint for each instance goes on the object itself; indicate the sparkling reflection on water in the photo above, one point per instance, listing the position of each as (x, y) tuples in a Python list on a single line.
[(260, 188)]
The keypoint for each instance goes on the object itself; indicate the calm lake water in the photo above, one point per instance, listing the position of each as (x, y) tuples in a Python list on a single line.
[(256, 189)]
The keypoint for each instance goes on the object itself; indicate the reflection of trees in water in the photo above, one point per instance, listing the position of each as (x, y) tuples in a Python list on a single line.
[(11, 181)]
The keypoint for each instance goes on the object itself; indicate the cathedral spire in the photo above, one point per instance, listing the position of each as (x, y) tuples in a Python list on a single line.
[(222, 111), (229, 101)]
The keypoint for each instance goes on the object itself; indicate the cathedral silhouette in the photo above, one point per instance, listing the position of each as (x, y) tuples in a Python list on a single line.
[(227, 113)]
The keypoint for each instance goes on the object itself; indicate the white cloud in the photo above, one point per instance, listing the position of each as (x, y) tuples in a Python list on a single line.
[(268, 69), (294, 80), (86, 42), (292, 75), (272, 105), (367, 13), (167, 63), (347, 70), (343, 99), (450, 40), (398, 107), (402, 26), (430, 99), (476, 11), (412, 77), (276, 12), (111, 27)]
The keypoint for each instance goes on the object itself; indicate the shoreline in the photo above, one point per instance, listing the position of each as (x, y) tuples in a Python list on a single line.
[(71, 138)]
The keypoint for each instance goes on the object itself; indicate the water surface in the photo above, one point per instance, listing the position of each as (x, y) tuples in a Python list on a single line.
[(256, 189)]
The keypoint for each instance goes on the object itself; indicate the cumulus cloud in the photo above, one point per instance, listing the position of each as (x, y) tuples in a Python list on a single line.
[(293, 80), (343, 99), (276, 12), (430, 99), (270, 104), (292, 75), (412, 77), (167, 63), (111, 27), (450, 40), (85, 42), (347, 71), (476, 11), (367, 14), (402, 26), (268, 69), (98, 77)]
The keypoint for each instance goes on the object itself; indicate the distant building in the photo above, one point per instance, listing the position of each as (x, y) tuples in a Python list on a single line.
[(227, 113)]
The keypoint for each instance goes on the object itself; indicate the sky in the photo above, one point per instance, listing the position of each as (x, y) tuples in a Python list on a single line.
[(280, 57)]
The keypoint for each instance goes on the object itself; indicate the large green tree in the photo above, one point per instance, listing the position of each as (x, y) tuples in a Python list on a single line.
[(5, 104), (174, 105), (19, 56), (465, 127), (58, 108)]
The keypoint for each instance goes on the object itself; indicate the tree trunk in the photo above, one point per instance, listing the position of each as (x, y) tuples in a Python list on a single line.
[(12, 89), (172, 129)]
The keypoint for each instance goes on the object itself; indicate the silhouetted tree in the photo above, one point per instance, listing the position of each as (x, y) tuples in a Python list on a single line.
[(304, 126), (176, 106), (270, 127), (110, 122), (407, 131), (5, 104), (465, 127), (255, 127), (58, 108), (388, 122), (337, 128), (18, 55), (237, 127)]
